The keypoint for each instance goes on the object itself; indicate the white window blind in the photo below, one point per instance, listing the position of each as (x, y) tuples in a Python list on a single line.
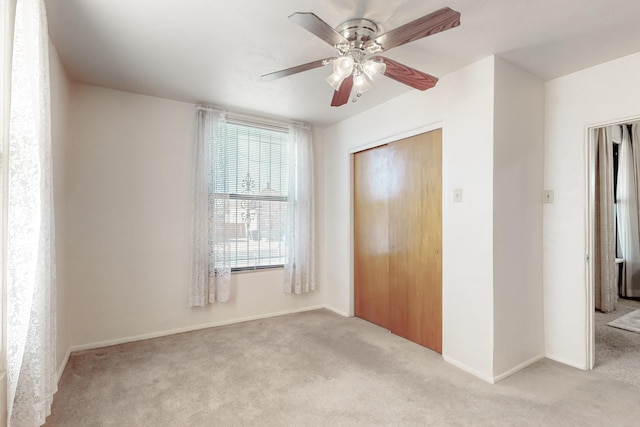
[(251, 169)]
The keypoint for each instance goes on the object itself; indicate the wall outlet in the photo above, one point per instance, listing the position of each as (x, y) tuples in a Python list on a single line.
[(547, 196), (457, 195)]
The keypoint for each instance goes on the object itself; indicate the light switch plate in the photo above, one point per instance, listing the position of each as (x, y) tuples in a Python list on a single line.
[(547, 196), (457, 195)]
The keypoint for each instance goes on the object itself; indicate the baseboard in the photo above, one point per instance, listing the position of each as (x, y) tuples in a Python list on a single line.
[(63, 366), (340, 312), (517, 368), (468, 369), (567, 362), (226, 322)]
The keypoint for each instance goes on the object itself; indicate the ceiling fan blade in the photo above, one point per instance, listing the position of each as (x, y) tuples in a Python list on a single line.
[(341, 97), (440, 20), (296, 69), (317, 26), (407, 75)]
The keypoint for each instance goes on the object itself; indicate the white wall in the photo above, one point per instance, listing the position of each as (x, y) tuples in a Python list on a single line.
[(517, 217), (60, 93), (597, 95), (128, 211), (462, 103)]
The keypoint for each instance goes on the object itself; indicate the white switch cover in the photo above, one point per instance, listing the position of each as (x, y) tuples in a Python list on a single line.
[(547, 196), (457, 195)]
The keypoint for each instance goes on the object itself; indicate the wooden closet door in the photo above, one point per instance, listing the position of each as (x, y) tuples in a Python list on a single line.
[(398, 237), (415, 238), (371, 235)]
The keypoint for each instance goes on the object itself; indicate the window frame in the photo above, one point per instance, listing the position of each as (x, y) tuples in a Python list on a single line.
[(266, 126)]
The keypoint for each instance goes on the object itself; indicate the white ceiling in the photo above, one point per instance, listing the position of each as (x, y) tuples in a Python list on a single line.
[(214, 51)]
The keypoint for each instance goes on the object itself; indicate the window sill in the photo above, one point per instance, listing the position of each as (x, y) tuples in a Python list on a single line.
[(256, 270)]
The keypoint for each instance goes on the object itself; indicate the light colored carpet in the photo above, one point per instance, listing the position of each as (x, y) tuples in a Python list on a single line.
[(617, 351), (318, 368), (628, 322)]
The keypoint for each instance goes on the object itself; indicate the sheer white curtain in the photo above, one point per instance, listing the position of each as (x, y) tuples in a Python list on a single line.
[(210, 258), (300, 234), (628, 211), (30, 268)]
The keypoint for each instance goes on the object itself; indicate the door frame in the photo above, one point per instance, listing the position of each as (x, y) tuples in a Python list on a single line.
[(373, 144), (590, 176)]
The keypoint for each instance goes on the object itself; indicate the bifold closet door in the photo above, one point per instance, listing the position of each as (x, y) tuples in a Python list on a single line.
[(398, 237), (371, 229), (415, 239)]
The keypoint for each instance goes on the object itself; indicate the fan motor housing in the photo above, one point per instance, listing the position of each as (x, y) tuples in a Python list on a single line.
[(358, 31)]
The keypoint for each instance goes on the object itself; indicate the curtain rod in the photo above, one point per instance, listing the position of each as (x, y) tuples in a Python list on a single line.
[(255, 120)]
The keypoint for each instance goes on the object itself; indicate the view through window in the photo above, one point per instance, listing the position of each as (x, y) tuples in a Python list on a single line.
[(252, 171)]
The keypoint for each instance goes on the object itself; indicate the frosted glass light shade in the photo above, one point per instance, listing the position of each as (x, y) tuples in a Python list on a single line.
[(335, 80), (372, 68), (343, 66), (360, 83)]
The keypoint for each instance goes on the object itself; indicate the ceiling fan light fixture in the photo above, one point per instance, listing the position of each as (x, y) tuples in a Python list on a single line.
[(357, 40), (361, 83), (335, 80), (373, 68), (342, 68)]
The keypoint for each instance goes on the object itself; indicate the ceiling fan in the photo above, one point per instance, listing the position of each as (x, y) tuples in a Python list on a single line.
[(358, 41)]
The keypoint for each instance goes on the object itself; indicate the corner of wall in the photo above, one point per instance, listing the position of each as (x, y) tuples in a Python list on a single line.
[(518, 154), (467, 226), (60, 95), (318, 145)]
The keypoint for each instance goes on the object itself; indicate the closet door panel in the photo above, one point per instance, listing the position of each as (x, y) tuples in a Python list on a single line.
[(415, 239), (371, 235)]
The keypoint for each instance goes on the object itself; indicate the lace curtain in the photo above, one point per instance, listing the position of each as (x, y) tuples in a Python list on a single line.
[(210, 259), (30, 268), (300, 233)]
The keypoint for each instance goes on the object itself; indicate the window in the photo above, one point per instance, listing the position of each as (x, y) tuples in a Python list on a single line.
[(251, 171)]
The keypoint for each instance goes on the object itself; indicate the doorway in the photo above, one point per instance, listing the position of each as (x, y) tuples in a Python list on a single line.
[(612, 291), (398, 237)]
